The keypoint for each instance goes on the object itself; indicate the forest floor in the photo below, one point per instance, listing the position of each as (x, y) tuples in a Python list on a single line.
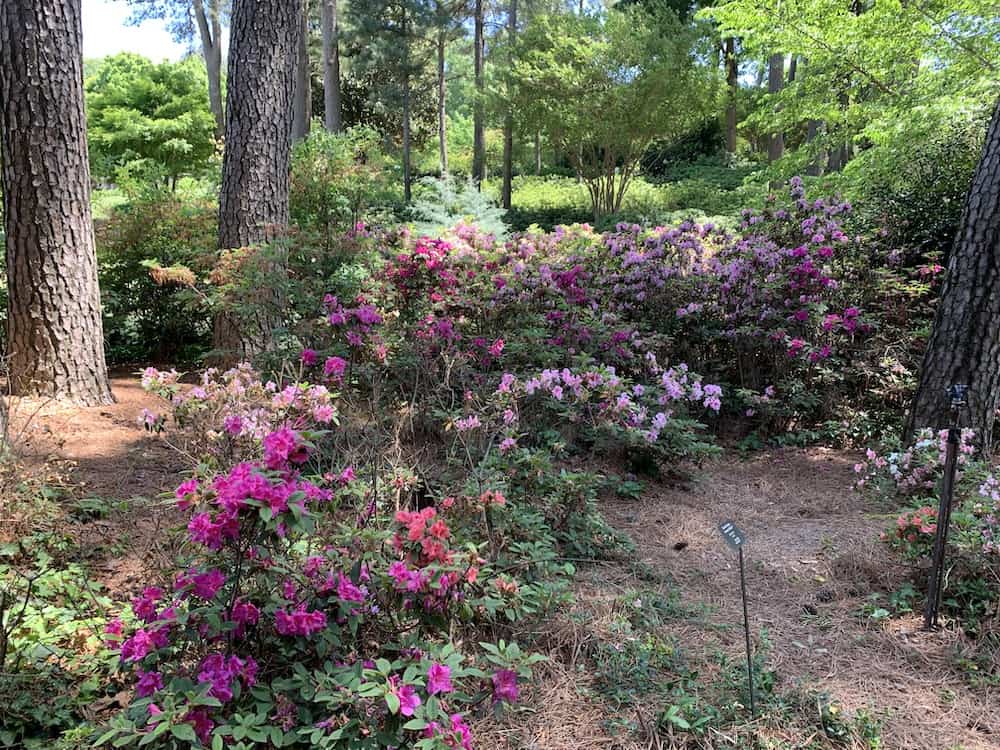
[(661, 626)]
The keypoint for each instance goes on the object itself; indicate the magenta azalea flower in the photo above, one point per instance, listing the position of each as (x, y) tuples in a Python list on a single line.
[(505, 686), (439, 679)]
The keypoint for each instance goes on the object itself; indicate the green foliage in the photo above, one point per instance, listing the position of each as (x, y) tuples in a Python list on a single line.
[(150, 253), (441, 203), (149, 116), (552, 200), (913, 189), (872, 75), (602, 88), (338, 180)]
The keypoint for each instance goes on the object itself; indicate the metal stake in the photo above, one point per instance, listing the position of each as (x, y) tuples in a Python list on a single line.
[(957, 396), (746, 631)]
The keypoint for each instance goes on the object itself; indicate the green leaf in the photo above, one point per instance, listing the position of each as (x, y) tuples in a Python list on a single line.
[(184, 732), (392, 701)]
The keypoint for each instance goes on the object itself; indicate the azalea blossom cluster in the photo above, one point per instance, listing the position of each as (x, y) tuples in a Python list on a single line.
[(914, 532), (430, 574), (603, 398), (232, 412), (987, 511), (360, 326), (916, 469)]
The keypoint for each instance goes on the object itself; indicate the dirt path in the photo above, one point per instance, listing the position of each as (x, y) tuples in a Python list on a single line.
[(812, 559), (102, 456)]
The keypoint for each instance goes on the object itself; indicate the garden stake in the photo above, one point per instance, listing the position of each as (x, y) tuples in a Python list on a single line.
[(735, 538), (956, 394)]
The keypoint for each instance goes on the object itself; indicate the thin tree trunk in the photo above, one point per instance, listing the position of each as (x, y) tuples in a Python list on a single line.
[(538, 153), (210, 31), (964, 346), (302, 114), (253, 201), (793, 64), (331, 67), (478, 114), (55, 343), (732, 87), (775, 82), (407, 176), (441, 102), (508, 123), (815, 168)]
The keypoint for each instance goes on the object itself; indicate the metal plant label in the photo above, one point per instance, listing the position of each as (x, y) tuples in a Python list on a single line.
[(732, 534)]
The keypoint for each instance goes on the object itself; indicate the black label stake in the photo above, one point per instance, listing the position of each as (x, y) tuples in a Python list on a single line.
[(957, 399), (735, 538)]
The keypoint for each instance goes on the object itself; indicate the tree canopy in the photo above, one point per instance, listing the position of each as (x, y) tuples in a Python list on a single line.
[(151, 116)]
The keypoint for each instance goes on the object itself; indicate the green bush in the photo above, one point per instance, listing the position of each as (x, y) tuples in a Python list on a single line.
[(156, 315), (340, 179)]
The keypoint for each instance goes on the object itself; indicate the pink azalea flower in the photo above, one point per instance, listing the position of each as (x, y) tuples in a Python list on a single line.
[(439, 679)]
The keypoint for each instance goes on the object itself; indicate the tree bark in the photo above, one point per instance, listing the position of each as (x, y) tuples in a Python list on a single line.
[(441, 102), (478, 114), (55, 343), (964, 345), (775, 82), (508, 122), (732, 87), (302, 113), (538, 153), (253, 201), (331, 67), (210, 31)]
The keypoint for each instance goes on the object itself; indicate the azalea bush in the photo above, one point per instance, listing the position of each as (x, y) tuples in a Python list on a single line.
[(299, 622), (912, 476)]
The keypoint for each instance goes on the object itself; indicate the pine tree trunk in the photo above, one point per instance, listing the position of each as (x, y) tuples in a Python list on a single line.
[(478, 114), (253, 201), (210, 31), (407, 146), (508, 123), (732, 87), (302, 114), (331, 67), (964, 346), (441, 102), (775, 82), (55, 343)]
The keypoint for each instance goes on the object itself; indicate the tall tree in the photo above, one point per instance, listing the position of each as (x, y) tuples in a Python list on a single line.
[(253, 201), (209, 19), (184, 17), (508, 122), (151, 113), (775, 83), (302, 102), (55, 343), (331, 66), (448, 18), (393, 43), (569, 84), (964, 346), (732, 88), (478, 110)]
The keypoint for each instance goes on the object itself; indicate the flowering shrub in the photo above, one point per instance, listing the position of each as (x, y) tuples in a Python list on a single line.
[(270, 636), (913, 476)]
